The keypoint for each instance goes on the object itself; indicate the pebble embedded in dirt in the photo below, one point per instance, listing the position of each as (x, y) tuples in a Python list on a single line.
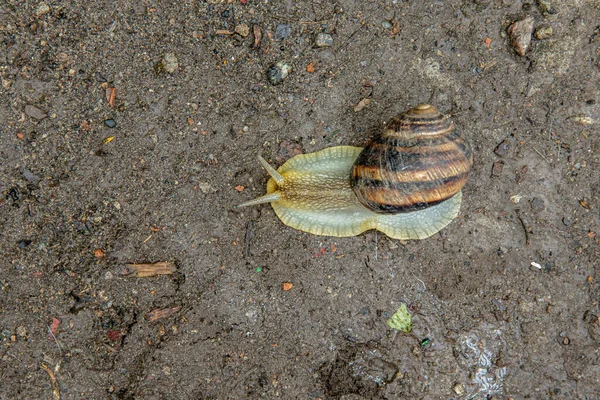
[(282, 31), (459, 389), (537, 204), (111, 123), (502, 148), (497, 168), (278, 72), (35, 112), (42, 8), (520, 35), (546, 8), (543, 32), (170, 62), (243, 30), (30, 176), (324, 40)]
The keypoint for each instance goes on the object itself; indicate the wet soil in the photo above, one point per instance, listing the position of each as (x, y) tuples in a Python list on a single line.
[(504, 300)]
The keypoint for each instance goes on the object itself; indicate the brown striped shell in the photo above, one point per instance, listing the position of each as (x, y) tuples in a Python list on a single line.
[(419, 160)]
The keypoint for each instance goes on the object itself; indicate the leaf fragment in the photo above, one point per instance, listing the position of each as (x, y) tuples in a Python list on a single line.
[(401, 320)]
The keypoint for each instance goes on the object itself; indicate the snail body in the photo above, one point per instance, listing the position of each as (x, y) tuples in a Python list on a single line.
[(405, 183)]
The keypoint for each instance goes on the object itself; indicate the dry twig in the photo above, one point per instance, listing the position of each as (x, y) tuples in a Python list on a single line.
[(145, 270), (157, 314), (53, 381)]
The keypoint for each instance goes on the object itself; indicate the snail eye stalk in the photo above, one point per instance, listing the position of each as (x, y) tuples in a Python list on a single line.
[(268, 198)]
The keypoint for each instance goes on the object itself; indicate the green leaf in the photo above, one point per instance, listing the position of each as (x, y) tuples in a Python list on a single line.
[(400, 320)]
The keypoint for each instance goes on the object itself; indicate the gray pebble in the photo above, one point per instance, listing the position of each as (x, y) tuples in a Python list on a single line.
[(170, 63), (282, 31), (502, 148), (278, 72), (30, 176), (386, 24), (537, 204), (35, 112), (110, 123), (323, 40)]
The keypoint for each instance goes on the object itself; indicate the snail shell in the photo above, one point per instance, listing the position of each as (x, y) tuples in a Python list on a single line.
[(418, 161), (406, 183)]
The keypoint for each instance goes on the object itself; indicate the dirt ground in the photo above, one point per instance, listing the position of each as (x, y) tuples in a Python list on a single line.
[(130, 129)]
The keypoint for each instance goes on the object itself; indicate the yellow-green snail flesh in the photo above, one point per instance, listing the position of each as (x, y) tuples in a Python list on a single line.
[(405, 183)]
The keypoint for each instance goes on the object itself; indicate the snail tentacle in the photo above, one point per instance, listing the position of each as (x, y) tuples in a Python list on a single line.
[(267, 198), (274, 174)]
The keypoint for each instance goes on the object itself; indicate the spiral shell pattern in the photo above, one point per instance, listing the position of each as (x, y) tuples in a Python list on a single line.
[(418, 161)]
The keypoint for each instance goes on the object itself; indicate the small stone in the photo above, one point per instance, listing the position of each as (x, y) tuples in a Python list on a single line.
[(30, 176), (62, 57), (520, 35), (567, 221), (243, 30), (43, 8), (206, 187), (278, 72), (459, 389), (108, 275), (546, 8), (282, 31), (386, 24), (35, 112), (537, 204), (323, 40), (170, 63), (502, 148), (21, 331), (497, 168), (543, 32), (110, 123)]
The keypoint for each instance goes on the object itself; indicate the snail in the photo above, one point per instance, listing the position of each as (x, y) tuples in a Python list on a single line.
[(405, 183)]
